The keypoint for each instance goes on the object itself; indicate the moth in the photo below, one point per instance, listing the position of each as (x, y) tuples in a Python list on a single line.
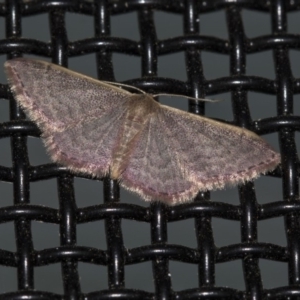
[(159, 152)]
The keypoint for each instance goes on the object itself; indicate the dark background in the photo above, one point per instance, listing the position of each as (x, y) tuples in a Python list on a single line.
[(89, 192)]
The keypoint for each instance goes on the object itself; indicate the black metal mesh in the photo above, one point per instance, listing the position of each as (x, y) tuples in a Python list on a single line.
[(206, 255)]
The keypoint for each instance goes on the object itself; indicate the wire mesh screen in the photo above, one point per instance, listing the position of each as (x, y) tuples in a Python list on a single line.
[(70, 237)]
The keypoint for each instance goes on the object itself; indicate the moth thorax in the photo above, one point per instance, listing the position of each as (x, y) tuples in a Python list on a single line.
[(141, 107)]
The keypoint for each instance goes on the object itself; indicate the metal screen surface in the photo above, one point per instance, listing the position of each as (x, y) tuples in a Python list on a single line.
[(68, 237)]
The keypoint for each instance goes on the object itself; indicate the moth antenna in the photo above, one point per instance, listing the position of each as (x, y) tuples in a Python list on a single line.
[(157, 95), (125, 85), (187, 97)]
